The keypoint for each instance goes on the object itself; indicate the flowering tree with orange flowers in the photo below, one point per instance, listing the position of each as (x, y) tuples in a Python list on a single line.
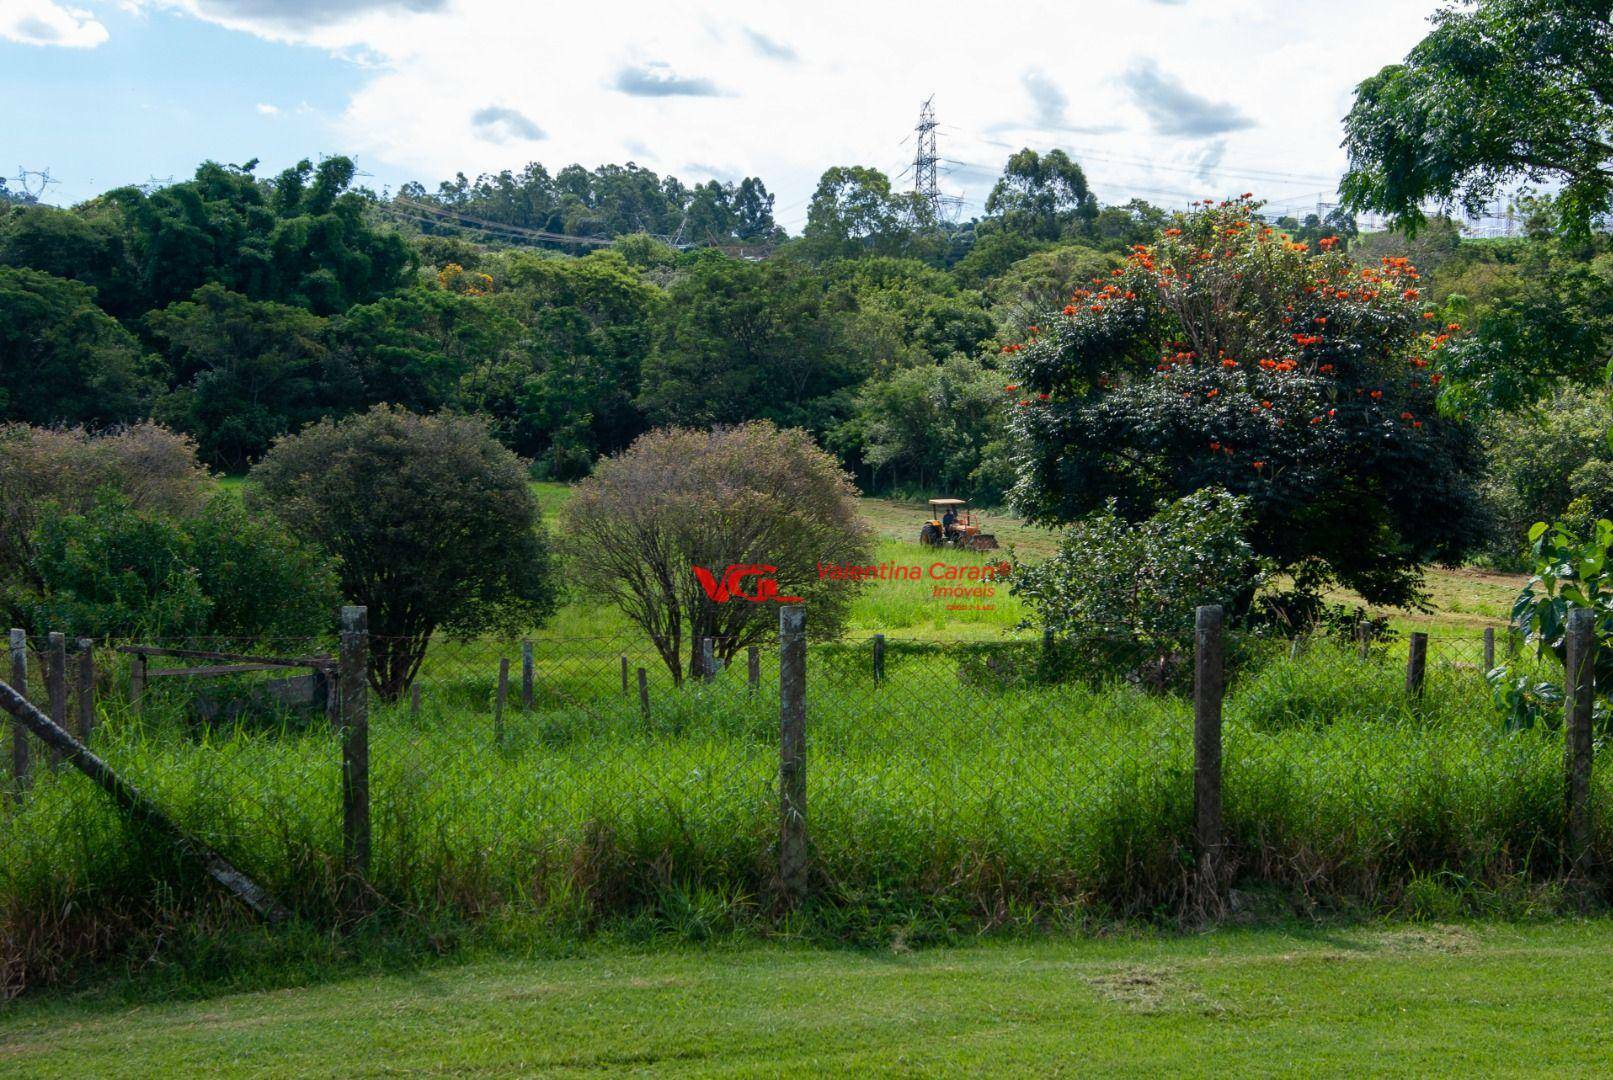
[(1227, 355)]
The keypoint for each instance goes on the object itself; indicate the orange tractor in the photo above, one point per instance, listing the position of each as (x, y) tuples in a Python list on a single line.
[(953, 524)]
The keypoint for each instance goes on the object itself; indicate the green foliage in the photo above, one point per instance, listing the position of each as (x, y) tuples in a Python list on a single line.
[(932, 428), (302, 239), (1023, 292), (609, 201), (65, 360), (245, 372), (1228, 356), (46, 472), (1141, 582), (1498, 90), (854, 211), (1041, 196), (1572, 572), (89, 244), (752, 341), (432, 521), (750, 495), (1542, 461), (1542, 316), (118, 571)]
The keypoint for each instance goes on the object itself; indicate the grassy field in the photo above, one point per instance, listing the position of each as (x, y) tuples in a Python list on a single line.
[(1434, 999), (1463, 601)]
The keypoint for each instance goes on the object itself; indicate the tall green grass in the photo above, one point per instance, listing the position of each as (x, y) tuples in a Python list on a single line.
[(965, 787)]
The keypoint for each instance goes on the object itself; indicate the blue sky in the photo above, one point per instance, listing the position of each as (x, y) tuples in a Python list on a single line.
[(1164, 99), (165, 92)]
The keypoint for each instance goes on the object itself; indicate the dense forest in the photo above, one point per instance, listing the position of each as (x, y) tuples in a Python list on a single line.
[(579, 309)]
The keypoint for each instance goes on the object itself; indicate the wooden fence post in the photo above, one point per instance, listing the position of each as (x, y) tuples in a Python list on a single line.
[(1416, 662), (644, 692), (498, 701), (56, 685), (792, 752), (753, 663), (20, 765), (526, 675), (86, 689), (1489, 649), (708, 659), (137, 681), (1579, 692), (1209, 682), (879, 658), (355, 715), (414, 701)]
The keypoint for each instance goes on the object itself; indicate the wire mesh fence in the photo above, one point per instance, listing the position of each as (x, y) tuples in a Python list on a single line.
[(500, 771)]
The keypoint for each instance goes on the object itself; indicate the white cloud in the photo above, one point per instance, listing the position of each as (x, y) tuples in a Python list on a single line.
[(1037, 73), (42, 22), (265, 109)]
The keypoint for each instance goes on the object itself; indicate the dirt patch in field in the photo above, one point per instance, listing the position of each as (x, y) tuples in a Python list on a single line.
[(1153, 990)]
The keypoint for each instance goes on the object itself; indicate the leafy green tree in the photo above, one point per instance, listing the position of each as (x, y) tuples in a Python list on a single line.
[(745, 341), (1540, 460), (431, 519), (751, 495), (245, 372), (934, 428), (1041, 196), (854, 211), (415, 349), (563, 390), (1545, 315), (62, 359), (1044, 282), (115, 570), (88, 244), (1227, 355), (302, 239), (1498, 90), (753, 213)]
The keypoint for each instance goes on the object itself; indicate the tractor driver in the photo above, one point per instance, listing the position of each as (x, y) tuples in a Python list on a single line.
[(949, 522)]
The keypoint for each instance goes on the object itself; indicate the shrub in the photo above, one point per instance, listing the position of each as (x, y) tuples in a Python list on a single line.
[(1571, 572), (1128, 592), (431, 520), (61, 470), (118, 570), (743, 496)]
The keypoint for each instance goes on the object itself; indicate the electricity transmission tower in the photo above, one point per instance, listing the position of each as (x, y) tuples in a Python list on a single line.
[(926, 182)]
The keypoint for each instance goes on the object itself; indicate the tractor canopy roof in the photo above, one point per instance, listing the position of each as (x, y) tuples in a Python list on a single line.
[(949, 502)]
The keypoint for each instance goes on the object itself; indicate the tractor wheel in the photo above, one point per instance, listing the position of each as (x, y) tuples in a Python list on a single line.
[(930, 536)]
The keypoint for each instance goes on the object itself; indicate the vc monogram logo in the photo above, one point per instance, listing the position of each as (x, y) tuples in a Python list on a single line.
[(728, 587)]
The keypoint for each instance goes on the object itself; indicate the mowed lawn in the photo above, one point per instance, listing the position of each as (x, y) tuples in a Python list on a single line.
[(1395, 999)]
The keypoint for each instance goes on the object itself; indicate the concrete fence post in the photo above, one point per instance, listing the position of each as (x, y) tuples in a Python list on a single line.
[(526, 675), (792, 753), (1489, 649), (879, 658), (753, 665), (708, 659), (1209, 683)]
